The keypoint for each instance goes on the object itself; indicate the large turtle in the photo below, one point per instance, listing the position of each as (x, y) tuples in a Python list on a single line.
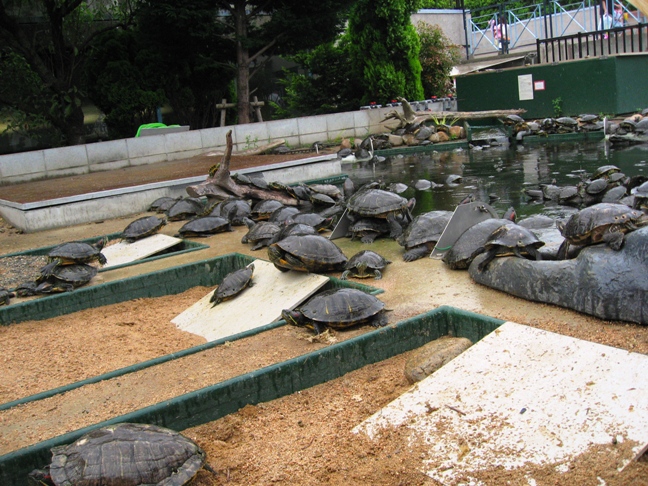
[(292, 229), (185, 208), (307, 253), (67, 277), (264, 208), (142, 227), (337, 309), (124, 454), (460, 256), (365, 264), (76, 252), (233, 284), (377, 203), (422, 234), (368, 229), (205, 226), (600, 223), (162, 204), (509, 239)]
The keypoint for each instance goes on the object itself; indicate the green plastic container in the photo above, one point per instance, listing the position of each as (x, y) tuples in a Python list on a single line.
[(275, 381)]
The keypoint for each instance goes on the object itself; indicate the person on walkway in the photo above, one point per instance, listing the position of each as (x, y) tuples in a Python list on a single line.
[(502, 35)]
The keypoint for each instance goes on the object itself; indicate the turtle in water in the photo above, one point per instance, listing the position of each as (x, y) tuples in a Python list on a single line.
[(75, 252), (307, 253), (509, 239), (260, 234), (422, 234), (142, 227), (233, 284), (126, 454), (365, 264), (377, 203), (337, 309), (5, 296), (600, 223), (204, 226)]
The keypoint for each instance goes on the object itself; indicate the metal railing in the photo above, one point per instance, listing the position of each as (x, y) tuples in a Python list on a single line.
[(542, 21), (632, 38)]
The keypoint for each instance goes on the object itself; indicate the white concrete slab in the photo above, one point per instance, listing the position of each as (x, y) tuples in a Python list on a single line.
[(261, 304), (125, 252), (522, 395)]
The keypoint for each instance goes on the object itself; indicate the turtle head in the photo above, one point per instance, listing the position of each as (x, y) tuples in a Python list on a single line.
[(361, 268), (41, 477), (293, 317)]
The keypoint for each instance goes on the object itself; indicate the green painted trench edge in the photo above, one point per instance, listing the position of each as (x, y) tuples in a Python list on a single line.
[(272, 382), (333, 283), (185, 246)]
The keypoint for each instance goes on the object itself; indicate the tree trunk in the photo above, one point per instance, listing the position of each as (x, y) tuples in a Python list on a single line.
[(74, 127), (243, 65)]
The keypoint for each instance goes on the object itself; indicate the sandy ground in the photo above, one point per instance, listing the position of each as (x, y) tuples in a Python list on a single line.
[(304, 438)]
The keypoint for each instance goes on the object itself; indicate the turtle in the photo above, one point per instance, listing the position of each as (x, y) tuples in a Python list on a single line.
[(596, 187), (365, 264), (260, 234), (282, 214), (5, 296), (64, 276), (330, 190), (614, 194), (184, 209), (605, 171), (320, 199), (162, 204), (508, 239), (569, 195), (204, 226), (292, 229), (460, 255), (454, 179), (127, 454), (75, 252), (142, 227), (317, 221), (264, 208), (368, 229), (602, 222), (377, 203), (307, 253), (641, 197), (235, 210), (337, 309), (233, 284), (422, 234)]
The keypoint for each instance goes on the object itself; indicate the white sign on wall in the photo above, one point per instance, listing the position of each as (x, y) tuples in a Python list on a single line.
[(525, 86)]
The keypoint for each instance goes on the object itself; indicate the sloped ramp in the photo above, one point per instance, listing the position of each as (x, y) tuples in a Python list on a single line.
[(522, 396), (125, 252), (256, 306)]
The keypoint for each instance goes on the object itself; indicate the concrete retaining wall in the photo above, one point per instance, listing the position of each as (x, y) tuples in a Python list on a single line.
[(116, 154)]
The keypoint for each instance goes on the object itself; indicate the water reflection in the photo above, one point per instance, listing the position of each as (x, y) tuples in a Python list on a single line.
[(499, 172)]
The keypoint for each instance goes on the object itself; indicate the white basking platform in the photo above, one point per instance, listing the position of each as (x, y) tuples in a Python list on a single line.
[(261, 304), (522, 395), (124, 252)]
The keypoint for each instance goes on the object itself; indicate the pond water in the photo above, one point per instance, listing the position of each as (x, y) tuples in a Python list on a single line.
[(503, 171)]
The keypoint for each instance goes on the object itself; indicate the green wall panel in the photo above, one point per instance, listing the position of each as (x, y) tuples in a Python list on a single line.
[(610, 85)]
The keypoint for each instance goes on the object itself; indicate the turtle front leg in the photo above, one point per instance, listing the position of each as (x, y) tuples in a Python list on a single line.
[(377, 274), (394, 226), (535, 254), (614, 239), (490, 256)]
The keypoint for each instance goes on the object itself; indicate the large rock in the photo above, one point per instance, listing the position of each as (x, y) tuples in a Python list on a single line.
[(612, 285)]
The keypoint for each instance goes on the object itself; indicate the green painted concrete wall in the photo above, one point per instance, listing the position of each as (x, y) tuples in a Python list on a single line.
[(610, 85)]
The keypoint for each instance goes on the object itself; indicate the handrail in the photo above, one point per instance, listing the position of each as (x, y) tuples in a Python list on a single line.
[(620, 40)]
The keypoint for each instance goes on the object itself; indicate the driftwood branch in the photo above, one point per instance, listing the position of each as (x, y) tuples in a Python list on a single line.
[(221, 184)]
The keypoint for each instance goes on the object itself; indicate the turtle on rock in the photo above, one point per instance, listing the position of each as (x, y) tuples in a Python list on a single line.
[(509, 239), (124, 454)]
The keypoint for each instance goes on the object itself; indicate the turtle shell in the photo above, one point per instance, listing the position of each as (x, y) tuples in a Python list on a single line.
[(78, 252), (235, 210), (460, 255), (162, 204), (589, 224), (5, 296), (566, 121), (510, 236), (368, 229), (205, 226), (263, 209), (185, 209), (233, 284), (376, 203), (127, 454), (78, 274), (614, 194), (339, 309), (315, 220), (282, 214), (307, 253), (597, 186), (293, 229), (425, 228), (260, 234), (605, 171), (365, 264), (142, 227)]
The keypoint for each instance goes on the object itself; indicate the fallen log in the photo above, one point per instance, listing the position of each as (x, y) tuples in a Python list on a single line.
[(221, 185), (253, 151)]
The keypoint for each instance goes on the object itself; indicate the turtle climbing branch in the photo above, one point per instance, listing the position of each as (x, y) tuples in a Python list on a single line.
[(220, 184)]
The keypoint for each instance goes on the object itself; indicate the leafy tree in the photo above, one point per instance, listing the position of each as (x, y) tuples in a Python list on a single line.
[(50, 53), (438, 57), (384, 49), (262, 28), (324, 85)]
